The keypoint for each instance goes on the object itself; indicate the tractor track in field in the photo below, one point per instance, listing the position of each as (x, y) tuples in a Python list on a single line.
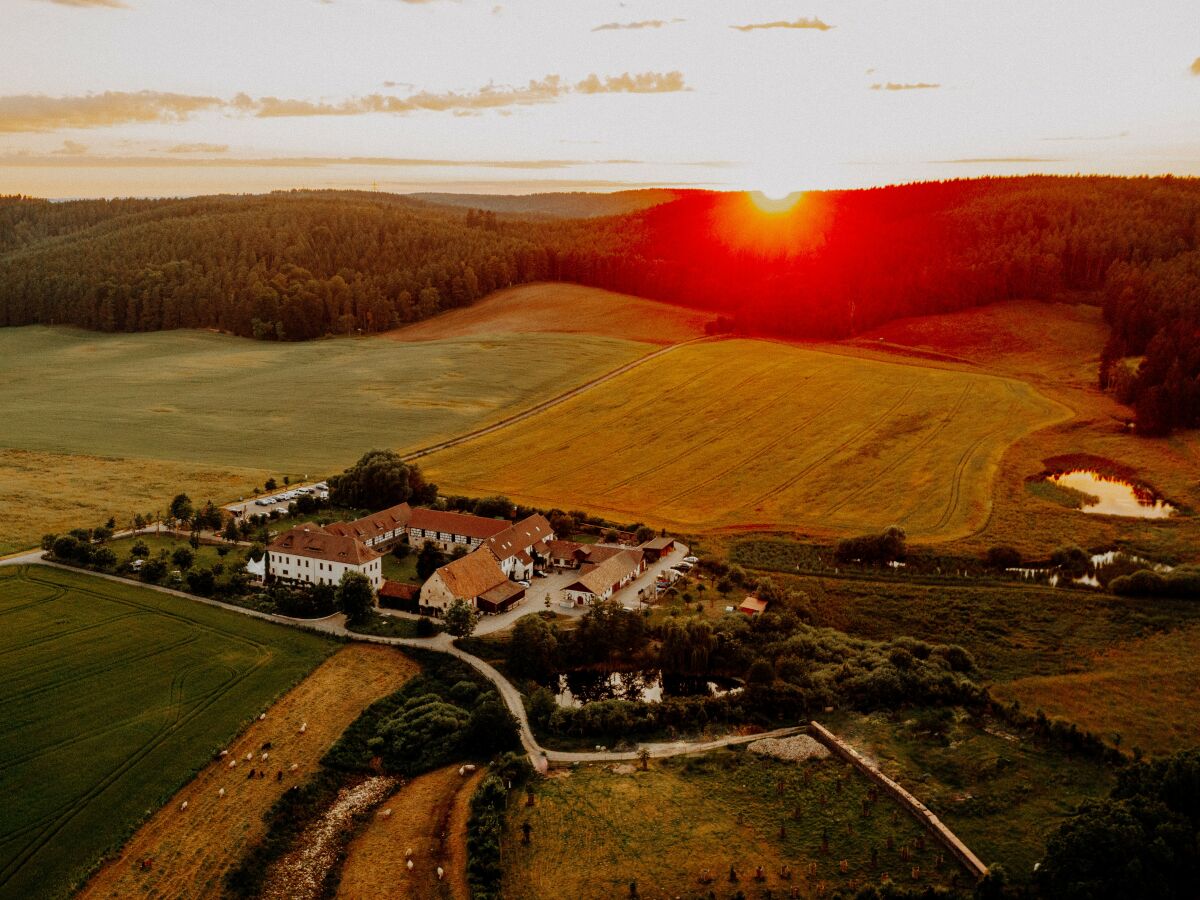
[(857, 436), (553, 401), (891, 466)]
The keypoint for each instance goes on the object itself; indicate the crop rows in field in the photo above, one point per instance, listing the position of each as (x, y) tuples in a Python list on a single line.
[(114, 694), (750, 433)]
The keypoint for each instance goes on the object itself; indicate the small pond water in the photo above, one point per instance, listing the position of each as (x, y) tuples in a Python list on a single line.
[(1115, 497), (649, 685)]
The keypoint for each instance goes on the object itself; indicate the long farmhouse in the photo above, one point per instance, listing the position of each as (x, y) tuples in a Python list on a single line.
[(310, 555)]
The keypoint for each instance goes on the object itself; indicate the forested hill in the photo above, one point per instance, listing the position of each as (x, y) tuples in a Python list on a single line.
[(299, 265), (565, 205)]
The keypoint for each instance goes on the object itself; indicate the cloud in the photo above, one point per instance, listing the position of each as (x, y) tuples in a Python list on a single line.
[(1196, 66), (36, 112), (57, 159), (977, 160), (906, 86), (72, 148), (633, 26), (199, 148), (109, 4), (813, 24)]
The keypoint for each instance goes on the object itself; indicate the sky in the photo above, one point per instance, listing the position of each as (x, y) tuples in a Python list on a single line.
[(182, 97)]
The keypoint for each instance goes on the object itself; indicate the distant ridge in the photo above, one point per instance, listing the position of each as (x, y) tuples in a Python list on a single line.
[(572, 205)]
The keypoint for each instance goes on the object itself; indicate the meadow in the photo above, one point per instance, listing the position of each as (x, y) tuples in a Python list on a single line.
[(102, 424), (746, 435), (595, 830), (113, 697)]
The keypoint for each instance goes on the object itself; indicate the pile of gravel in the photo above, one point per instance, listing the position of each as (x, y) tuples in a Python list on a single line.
[(795, 749)]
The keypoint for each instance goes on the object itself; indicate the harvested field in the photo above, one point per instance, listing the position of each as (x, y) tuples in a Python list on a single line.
[(111, 424), (751, 434), (566, 309), (428, 814), (193, 849), (595, 831), (113, 696), (1111, 697)]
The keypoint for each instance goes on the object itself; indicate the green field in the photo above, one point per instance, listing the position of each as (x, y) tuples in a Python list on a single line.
[(595, 831), (113, 696), (754, 434), (113, 424)]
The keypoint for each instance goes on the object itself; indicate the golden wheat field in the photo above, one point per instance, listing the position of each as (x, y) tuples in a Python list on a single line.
[(755, 434)]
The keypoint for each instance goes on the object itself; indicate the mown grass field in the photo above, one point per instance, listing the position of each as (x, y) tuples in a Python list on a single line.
[(113, 696), (595, 831), (101, 424), (563, 309), (751, 434)]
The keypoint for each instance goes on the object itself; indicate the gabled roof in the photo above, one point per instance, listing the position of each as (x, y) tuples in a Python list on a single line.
[(476, 527), (399, 590), (599, 578), (370, 527), (312, 542), (473, 574), (658, 543), (563, 549), (518, 538)]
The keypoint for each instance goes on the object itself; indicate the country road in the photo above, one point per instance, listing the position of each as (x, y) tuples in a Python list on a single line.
[(334, 625)]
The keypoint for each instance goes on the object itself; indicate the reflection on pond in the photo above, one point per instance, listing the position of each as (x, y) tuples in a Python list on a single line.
[(649, 685), (1112, 496)]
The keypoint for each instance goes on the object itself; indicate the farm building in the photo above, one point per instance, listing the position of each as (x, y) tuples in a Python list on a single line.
[(572, 555), (311, 555), (600, 581), (752, 606), (656, 548), (449, 531), (399, 595), (522, 545), (476, 578), (381, 530)]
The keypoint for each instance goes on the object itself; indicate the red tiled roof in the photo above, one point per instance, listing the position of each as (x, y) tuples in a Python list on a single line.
[(473, 574), (370, 527), (520, 537), (658, 543), (456, 523), (305, 540), (753, 605), (599, 578), (398, 590)]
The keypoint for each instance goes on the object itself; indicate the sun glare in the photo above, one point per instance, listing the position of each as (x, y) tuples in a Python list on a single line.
[(770, 201)]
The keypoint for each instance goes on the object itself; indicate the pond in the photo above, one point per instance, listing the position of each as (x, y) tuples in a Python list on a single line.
[(1111, 496), (649, 685)]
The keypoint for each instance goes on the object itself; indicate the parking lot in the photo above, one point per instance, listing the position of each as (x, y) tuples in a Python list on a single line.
[(277, 500)]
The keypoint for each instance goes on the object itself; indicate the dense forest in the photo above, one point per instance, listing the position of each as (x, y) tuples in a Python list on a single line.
[(299, 265)]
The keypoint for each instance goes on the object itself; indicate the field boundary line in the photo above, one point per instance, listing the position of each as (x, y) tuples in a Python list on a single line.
[(554, 401)]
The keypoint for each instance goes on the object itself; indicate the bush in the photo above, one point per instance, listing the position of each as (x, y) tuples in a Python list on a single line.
[(889, 546), (1004, 557), (425, 627)]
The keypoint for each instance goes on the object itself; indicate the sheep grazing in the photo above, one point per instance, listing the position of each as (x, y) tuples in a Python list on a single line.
[(249, 755), (233, 764), (294, 767), (303, 727), (263, 716), (223, 753), (386, 813), (183, 806), (470, 767), (266, 755), (221, 793), (462, 770), (441, 872), (409, 864), (408, 853)]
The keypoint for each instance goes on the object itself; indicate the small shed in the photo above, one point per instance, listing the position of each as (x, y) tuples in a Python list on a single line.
[(398, 595), (656, 548), (500, 598), (752, 606)]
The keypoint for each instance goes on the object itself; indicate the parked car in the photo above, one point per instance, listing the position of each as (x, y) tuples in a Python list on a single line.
[(524, 584), (539, 574), (692, 560)]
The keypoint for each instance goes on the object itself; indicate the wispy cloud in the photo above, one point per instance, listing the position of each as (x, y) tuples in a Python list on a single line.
[(977, 160), (109, 4), (72, 148), (199, 148), (811, 23), (35, 112), (634, 26), (905, 86)]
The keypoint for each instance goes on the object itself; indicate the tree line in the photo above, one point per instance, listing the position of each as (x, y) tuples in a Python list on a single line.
[(303, 264)]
